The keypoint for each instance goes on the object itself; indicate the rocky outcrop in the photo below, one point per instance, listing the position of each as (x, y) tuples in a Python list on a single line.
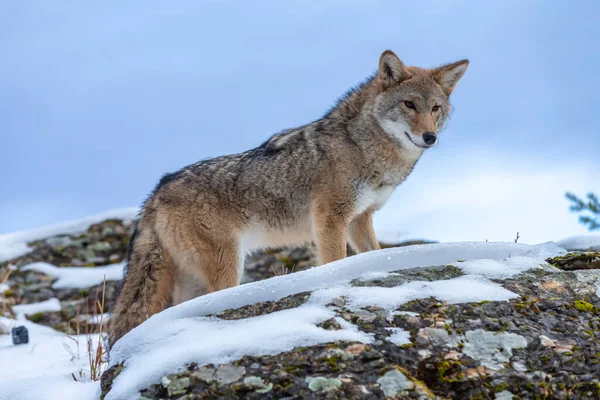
[(541, 345)]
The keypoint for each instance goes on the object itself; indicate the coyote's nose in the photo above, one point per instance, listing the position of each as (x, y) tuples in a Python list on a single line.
[(429, 137)]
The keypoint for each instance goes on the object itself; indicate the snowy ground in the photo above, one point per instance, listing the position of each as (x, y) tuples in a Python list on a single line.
[(169, 339), (42, 369)]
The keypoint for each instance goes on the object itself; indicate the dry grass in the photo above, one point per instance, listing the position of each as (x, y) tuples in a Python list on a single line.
[(284, 270), (84, 325), (5, 302)]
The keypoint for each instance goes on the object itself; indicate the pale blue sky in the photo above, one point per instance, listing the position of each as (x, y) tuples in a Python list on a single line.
[(98, 101)]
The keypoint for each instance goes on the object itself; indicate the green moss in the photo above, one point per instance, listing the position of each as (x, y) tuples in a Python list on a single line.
[(420, 384), (572, 258), (443, 371), (291, 369), (9, 293), (448, 329), (37, 317), (584, 306), (333, 362), (501, 387), (287, 261)]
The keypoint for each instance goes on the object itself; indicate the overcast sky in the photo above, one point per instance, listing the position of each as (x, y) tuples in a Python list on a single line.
[(97, 101)]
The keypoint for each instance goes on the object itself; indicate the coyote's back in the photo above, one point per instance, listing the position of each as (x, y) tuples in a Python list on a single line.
[(320, 182)]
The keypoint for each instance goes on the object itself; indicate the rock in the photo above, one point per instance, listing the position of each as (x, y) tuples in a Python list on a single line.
[(59, 241), (575, 261), (100, 246), (229, 373), (492, 349), (257, 384), (330, 324), (546, 341), (322, 384), (175, 386), (206, 374), (394, 382), (504, 395)]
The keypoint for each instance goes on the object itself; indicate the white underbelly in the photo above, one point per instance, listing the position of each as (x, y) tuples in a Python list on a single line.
[(257, 237)]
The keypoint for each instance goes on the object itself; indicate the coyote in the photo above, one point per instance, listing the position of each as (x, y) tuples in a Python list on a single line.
[(320, 182)]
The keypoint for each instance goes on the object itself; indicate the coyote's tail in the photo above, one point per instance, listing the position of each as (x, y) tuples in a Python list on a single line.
[(147, 281)]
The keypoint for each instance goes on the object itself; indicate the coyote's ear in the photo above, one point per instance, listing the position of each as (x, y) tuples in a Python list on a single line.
[(449, 75), (391, 69)]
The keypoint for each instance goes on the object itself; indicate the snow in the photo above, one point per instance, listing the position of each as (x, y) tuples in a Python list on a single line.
[(499, 269), (472, 288), (49, 305), (78, 277), (42, 368), (399, 336), (582, 242), (223, 341), (14, 245), (166, 341), (4, 287)]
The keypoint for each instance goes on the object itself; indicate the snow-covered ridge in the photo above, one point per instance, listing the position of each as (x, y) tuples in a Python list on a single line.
[(168, 340), (14, 245)]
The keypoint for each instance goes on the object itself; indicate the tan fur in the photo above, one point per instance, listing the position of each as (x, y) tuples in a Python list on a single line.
[(321, 182)]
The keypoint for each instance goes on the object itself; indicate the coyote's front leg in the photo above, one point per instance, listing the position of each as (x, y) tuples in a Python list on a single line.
[(361, 233), (330, 219)]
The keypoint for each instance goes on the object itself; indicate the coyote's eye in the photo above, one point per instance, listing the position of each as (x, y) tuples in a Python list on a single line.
[(435, 108), (410, 104)]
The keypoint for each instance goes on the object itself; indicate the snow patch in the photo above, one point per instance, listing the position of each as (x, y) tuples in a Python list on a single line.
[(499, 269), (78, 277), (167, 349), (49, 305), (467, 288), (14, 245), (399, 336), (42, 368)]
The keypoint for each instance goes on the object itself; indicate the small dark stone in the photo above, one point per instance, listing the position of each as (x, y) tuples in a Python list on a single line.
[(20, 335)]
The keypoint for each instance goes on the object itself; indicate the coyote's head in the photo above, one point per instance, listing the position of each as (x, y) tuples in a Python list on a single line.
[(413, 103)]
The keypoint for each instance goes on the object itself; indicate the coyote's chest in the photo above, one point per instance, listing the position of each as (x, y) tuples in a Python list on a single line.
[(372, 198), (372, 195)]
